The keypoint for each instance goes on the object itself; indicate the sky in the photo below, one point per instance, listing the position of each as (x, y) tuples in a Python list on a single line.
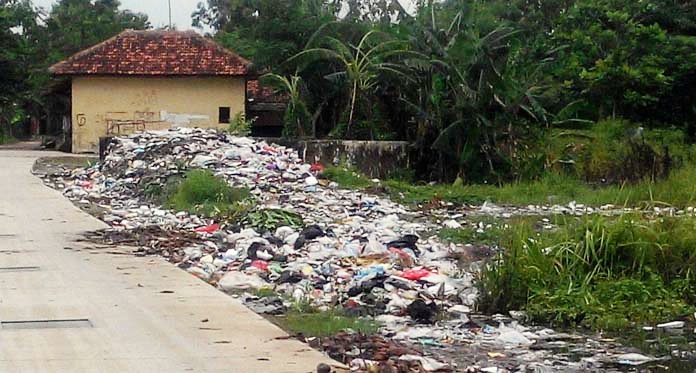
[(156, 10)]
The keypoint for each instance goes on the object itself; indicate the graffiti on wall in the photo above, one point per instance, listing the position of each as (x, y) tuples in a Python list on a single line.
[(81, 119), (121, 123)]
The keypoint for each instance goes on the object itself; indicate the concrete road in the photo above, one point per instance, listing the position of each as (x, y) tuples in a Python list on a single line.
[(144, 314)]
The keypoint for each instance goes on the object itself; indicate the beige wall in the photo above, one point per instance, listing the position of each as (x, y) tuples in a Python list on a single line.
[(159, 103)]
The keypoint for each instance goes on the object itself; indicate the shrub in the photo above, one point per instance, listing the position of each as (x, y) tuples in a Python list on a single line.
[(240, 125), (202, 192), (270, 219), (615, 151)]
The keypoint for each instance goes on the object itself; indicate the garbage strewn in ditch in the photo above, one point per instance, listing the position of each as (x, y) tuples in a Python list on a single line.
[(356, 252)]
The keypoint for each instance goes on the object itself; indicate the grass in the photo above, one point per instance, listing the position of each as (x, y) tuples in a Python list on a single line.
[(678, 190), (597, 272), (201, 192), (472, 234), (324, 324), (486, 230), (347, 177), (264, 292), (6, 139)]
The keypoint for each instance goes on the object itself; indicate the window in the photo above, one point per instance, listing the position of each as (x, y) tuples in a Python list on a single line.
[(224, 115)]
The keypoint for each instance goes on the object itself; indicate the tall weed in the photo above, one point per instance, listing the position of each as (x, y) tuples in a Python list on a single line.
[(597, 272)]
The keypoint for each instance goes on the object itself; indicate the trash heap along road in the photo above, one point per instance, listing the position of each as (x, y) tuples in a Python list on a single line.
[(354, 250)]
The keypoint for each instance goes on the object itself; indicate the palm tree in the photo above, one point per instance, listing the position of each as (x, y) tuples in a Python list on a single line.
[(362, 65)]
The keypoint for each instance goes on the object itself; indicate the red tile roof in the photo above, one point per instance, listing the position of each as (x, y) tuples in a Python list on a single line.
[(260, 93), (154, 53)]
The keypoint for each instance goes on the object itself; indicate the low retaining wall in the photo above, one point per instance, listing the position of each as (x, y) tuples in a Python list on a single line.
[(376, 159)]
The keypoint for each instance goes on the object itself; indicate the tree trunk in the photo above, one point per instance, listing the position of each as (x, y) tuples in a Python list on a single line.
[(315, 117), (486, 151), (352, 108)]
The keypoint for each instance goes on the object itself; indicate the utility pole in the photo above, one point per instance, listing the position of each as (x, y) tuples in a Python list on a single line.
[(170, 13)]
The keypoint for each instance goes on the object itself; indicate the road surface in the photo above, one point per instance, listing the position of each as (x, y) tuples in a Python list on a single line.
[(130, 314)]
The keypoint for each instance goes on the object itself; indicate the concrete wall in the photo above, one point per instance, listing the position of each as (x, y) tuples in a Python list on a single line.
[(377, 159), (136, 103)]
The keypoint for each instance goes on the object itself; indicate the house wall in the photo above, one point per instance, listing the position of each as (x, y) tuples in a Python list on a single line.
[(112, 106)]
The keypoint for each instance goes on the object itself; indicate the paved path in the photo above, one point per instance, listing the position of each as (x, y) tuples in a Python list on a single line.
[(146, 314)]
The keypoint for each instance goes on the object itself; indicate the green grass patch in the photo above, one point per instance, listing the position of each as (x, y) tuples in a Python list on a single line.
[(264, 292), (7, 139), (201, 192), (324, 324), (485, 230), (471, 235), (597, 272), (347, 177), (678, 190)]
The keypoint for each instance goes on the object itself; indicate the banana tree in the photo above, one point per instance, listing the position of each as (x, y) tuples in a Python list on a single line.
[(360, 66), (296, 113), (476, 90)]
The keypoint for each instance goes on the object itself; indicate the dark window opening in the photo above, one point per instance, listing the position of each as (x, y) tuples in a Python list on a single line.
[(224, 115)]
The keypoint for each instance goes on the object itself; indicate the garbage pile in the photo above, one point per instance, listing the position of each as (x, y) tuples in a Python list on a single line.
[(356, 251)]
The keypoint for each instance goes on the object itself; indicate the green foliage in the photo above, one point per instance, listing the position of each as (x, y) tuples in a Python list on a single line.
[(6, 139), (678, 190), (359, 66), (614, 151), (325, 324), (347, 177), (597, 272), (240, 126), (201, 192), (619, 56), (270, 219), (73, 25), (297, 119), (265, 31)]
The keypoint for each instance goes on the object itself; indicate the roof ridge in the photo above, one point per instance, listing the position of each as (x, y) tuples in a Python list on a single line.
[(138, 47)]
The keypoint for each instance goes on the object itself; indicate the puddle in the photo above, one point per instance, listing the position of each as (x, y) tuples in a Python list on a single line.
[(677, 346)]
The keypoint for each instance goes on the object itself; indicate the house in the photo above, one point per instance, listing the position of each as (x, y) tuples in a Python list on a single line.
[(143, 80)]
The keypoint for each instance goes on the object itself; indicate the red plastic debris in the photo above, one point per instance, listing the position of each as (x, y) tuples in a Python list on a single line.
[(208, 228), (415, 274), (260, 264), (316, 167), (270, 149), (86, 184), (404, 257)]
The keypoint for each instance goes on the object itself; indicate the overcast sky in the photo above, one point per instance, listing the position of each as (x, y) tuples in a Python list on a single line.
[(156, 10), (158, 14)]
